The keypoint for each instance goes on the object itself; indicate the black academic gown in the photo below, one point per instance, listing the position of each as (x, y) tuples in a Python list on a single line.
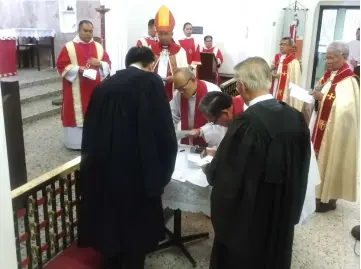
[(259, 177), (128, 152)]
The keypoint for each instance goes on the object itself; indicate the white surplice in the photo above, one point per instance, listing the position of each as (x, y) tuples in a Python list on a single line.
[(213, 134)]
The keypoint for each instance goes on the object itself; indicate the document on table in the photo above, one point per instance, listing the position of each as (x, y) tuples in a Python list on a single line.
[(198, 178), (196, 159), (301, 94)]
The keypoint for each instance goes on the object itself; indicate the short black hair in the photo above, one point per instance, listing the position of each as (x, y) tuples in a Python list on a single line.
[(143, 55), (151, 23), (186, 24), (208, 36), (82, 22), (213, 103)]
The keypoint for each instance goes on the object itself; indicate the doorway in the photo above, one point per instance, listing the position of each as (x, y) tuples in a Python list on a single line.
[(334, 23)]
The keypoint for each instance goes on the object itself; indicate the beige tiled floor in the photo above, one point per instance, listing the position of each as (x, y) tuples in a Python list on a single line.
[(323, 243)]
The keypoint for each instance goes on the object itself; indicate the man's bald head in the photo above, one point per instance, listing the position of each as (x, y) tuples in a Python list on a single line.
[(185, 81)]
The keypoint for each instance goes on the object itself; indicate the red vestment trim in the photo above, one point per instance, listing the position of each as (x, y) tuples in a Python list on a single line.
[(326, 105), (140, 42), (173, 49), (199, 119), (283, 76), (192, 50), (76, 95), (238, 105)]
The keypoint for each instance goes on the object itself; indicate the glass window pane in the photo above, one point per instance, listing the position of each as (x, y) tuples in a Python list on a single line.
[(328, 26), (352, 22)]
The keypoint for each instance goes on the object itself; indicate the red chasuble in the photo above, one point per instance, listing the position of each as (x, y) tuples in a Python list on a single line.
[(238, 105), (283, 76), (173, 49), (219, 58), (192, 50), (76, 94), (145, 42), (199, 119), (326, 105)]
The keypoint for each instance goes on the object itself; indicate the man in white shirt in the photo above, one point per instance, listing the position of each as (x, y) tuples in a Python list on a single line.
[(184, 107)]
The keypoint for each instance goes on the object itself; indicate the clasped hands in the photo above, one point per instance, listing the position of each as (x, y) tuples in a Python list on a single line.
[(92, 62)]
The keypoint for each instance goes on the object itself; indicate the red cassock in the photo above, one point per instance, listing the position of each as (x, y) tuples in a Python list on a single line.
[(199, 119), (217, 52), (173, 49), (145, 42), (76, 94), (192, 50), (238, 105)]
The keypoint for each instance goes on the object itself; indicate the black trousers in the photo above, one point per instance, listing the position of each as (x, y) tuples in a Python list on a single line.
[(126, 261)]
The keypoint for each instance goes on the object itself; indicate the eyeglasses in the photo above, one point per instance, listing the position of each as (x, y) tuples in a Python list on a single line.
[(182, 88)]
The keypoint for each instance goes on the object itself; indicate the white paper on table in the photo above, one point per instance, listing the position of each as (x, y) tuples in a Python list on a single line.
[(90, 74), (178, 175), (196, 159), (198, 178), (301, 94)]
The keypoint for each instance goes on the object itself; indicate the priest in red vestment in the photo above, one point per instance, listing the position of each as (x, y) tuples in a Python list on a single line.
[(335, 130), (83, 64), (208, 47), (286, 70), (191, 47), (168, 55), (151, 38), (184, 107)]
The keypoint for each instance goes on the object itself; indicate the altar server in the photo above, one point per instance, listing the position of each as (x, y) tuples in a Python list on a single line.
[(209, 48), (128, 155), (335, 129), (151, 38), (184, 107), (191, 47), (83, 64), (259, 177)]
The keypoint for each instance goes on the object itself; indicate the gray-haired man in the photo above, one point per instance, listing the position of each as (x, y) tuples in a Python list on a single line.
[(259, 177)]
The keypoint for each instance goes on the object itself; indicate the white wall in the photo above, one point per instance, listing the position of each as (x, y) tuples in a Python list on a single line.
[(311, 32), (7, 236), (226, 22)]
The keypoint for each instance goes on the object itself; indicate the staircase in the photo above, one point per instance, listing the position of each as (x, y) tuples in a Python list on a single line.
[(43, 131)]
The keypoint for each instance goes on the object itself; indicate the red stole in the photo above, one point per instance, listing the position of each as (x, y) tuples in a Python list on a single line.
[(326, 105), (283, 76), (238, 105), (173, 49), (199, 119)]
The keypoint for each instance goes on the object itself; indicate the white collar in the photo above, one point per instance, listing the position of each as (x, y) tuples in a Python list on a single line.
[(260, 99), (78, 40), (136, 66)]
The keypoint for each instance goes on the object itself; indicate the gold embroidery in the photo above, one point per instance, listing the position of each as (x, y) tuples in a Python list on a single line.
[(331, 96), (321, 125), (284, 74)]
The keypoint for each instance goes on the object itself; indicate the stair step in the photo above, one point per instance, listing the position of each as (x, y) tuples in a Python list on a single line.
[(34, 93), (39, 109)]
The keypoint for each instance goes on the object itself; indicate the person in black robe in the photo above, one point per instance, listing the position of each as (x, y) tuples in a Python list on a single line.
[(129, 149), (259, 177)]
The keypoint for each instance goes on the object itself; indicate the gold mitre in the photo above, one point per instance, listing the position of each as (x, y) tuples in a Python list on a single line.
[(164, 20)]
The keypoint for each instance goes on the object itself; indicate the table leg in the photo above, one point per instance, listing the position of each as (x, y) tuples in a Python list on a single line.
[(177, 240)]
